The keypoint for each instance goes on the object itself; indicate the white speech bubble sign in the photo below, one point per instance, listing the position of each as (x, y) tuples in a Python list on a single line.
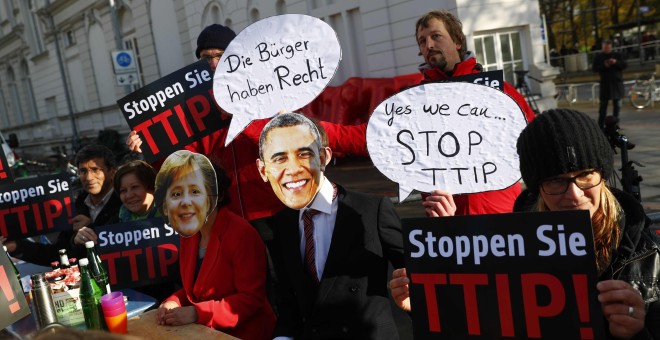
[(459, 137), (281, 62)]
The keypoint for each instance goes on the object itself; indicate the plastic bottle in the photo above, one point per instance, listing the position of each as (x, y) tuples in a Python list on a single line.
[(64, 259), (96, 268), (42, 301), (90, 297)]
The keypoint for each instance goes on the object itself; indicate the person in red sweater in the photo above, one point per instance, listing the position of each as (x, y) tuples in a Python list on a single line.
[(443, 46), (222, 259), (442, 43)]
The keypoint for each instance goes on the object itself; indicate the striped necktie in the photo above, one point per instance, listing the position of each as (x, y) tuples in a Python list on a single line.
[(310, 255)]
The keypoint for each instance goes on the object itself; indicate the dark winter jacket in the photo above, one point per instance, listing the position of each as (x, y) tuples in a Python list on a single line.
[(611, 78)]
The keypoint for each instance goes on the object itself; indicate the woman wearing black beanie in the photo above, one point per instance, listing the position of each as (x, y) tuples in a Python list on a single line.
[(565, 161)]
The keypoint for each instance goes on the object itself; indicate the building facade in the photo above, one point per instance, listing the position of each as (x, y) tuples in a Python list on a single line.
[(57, 78)]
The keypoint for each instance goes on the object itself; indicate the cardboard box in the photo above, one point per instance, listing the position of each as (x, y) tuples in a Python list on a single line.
[(68, 307)]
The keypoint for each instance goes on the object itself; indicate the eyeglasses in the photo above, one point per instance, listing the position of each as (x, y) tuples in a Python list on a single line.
[(584, 180), (210, 59)]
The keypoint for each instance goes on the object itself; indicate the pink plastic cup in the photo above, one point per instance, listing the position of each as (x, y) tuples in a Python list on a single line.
[(114, 311), (112, 298), (113, 306)]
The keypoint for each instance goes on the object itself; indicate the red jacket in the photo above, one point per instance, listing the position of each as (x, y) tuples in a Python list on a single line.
[(492, 202), (229, 293)]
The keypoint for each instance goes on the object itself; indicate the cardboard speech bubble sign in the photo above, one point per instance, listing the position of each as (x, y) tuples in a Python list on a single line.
[(281, 62), (458, 137)]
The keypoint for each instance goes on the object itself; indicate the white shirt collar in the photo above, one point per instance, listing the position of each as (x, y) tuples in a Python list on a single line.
[(323, 200)]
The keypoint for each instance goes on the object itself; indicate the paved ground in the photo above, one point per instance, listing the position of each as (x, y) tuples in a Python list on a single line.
[(641, 127)]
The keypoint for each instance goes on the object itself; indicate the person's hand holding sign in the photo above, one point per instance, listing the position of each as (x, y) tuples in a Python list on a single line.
[(133, 142), (85, 234), (439, 203), (623, 308), (399, 289)]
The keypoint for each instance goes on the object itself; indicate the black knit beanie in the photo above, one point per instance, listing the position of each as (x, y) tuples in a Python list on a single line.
[(559, 141), (214, 36)]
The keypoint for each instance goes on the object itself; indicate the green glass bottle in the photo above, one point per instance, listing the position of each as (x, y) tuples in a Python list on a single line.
[(18, 275), (96, 268), (90, 297)]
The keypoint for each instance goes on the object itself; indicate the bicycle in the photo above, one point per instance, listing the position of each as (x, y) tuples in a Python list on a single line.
[(644, 92)]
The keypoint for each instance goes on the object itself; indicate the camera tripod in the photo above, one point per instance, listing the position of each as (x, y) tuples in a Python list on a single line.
[(630, 178), (523, 88)]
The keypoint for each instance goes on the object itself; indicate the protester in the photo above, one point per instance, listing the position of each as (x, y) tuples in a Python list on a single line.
[(339, 290), (135, 183), (97, 204), (565, 161), (443, 46), (610, 66), (222, 259)]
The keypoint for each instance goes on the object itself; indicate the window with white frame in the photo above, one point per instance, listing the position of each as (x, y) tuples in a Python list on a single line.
[(500, 51)]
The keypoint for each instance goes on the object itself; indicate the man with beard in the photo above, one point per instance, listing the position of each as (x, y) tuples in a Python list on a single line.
[(443, 46), (97, 204)]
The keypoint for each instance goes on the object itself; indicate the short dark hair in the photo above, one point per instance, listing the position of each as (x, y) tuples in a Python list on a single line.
[(92, 151), (452, 24), (145, 173), (287, 120)]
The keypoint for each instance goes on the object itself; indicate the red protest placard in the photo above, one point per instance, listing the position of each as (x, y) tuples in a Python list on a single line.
[(173, 111), (139, 253), (5, 171), (530, 275), (35, 206), (13, 306)]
